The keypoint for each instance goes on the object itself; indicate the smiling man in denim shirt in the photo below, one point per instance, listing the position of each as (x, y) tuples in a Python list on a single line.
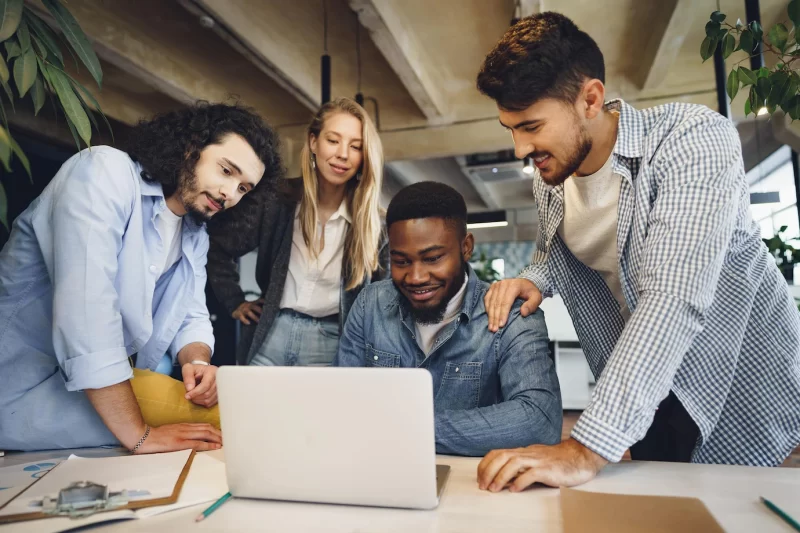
[(490, 389)]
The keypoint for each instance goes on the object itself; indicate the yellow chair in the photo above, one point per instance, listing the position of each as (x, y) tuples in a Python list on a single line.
[(162, 401)]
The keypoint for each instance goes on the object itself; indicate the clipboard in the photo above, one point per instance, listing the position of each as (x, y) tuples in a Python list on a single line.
[(131, 505)]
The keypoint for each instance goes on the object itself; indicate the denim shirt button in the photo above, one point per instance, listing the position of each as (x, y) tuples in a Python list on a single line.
[(456, 369), (375, 357)]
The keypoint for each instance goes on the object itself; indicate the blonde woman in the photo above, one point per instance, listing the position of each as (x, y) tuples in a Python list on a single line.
[(320, 239)]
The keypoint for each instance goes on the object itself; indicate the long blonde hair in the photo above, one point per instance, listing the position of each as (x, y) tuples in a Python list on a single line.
[(362, 196)]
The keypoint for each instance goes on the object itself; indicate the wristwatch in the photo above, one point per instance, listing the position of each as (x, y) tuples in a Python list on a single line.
[(199, 362)]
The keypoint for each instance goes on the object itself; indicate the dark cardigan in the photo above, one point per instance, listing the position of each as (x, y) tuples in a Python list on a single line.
[(265, 220)]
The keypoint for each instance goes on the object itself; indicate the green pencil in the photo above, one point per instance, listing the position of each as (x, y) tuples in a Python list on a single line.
[(202, 516), (777, 510)]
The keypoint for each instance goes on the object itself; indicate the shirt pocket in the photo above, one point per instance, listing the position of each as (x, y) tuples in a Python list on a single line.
[(379, 358), (460, 387)]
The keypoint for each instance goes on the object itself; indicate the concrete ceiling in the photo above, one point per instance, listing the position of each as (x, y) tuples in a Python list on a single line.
[(419, 59)]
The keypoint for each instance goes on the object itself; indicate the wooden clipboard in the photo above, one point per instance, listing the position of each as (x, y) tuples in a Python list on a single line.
[(138, 504)]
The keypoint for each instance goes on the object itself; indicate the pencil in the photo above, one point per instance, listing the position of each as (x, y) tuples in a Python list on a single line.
[(777, 510), (202, 516)]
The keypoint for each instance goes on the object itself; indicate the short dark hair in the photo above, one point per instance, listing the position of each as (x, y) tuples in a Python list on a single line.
[(541, 56), (168, 146), (428, 199)]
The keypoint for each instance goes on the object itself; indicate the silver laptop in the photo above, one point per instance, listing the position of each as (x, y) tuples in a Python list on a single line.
[(359, 436)]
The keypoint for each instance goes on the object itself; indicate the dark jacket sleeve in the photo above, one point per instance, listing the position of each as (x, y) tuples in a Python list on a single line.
[(233, 234)]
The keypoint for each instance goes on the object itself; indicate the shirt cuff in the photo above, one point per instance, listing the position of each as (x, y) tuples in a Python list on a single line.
[(537, 279), (97, 370), (188, 336), (603, 439)]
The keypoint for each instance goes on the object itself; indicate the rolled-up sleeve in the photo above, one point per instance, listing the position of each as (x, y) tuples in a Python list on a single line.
[(84, 230)]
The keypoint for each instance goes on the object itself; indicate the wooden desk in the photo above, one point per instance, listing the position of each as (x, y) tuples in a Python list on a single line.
[(730, 492)]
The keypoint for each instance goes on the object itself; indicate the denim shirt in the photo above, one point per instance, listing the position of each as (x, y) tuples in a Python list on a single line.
[(491, 390), (79, 294)]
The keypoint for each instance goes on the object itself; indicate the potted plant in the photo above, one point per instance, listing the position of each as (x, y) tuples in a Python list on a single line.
[(32, 64), (786, 255)]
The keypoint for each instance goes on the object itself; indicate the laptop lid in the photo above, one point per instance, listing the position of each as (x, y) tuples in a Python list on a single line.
[(362, 436)]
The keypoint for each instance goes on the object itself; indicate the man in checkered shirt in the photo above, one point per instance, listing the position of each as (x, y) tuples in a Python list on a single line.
[(646, 233)]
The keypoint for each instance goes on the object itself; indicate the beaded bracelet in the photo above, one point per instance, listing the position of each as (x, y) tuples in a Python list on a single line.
[(141, 441)]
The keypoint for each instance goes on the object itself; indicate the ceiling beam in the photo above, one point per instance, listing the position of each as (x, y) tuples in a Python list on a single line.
[(404, 54), (241, 28), (671, 25), (155, 42)]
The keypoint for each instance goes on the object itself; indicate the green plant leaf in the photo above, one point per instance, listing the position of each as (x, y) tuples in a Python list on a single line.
[(25, 72), (75, 134), (793, 107), (707, 48), (779, 82), (71, 104), (22, 158), (38, 95), (39, 46), (728, 45), (3, 69), (81, 89), (747, 76), (712, 29), (763, 87), (763, 72), (5, 149), (23, 36), (732, 86), (739, 24), (10, 16), (9, 94), (76, 38), (794, 12), (43, 32), (747, 109), (758, 32), (717, 17), (12, 49), (779, 36), (746, 41), (4, 207), (753, 99)]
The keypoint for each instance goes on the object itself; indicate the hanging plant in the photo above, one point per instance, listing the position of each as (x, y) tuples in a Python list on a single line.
[(769, 88), (32, 64)]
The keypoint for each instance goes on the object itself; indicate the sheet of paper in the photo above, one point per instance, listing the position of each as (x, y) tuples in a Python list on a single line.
[(622, 513), (205, 483), (15, 479), (145, 477)]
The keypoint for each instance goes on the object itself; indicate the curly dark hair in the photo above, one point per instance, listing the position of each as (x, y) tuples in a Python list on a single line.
[(168, 146), (429, 199), (541, 56)]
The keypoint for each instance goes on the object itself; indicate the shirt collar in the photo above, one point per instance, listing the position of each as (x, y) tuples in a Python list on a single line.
[(630, 132), (342, 212), (154, 190)]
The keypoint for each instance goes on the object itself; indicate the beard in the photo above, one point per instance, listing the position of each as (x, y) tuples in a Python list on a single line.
[(189, 194), (428, 316), (583, 145)]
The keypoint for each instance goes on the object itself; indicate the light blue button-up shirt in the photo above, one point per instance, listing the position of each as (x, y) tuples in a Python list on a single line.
[(79, 295)]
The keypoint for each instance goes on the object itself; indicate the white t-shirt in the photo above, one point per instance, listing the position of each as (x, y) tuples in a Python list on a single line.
[(427, 333), (312, 285), (169, 227), (589, 227)]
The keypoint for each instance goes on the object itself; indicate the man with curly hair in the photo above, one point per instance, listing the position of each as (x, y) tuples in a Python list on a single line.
[(108, 263)]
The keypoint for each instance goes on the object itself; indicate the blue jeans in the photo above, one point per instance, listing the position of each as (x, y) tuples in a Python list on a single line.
[(296, 339)]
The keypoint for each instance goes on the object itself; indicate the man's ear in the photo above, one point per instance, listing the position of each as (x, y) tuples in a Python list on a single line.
[(468, 246)]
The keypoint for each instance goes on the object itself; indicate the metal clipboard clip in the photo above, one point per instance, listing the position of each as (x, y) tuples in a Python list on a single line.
[(83, 498)]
